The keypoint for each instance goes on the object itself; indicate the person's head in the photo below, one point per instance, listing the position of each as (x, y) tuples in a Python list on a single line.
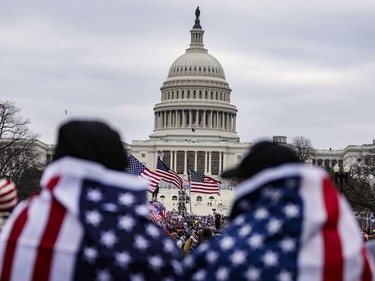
[(93, 141), (174, 236), (261, 156), (206, 234), (8, 198)]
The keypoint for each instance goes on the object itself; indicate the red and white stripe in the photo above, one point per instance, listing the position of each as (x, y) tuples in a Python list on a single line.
[(152, 179), (40, 240), (209, 186), (8, 195), (153, 215), (171, 177), (329, 227)]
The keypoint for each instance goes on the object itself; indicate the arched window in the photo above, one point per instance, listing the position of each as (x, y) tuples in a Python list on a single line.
[(162, 196), (199, 198), (174, 198), (211, 197)]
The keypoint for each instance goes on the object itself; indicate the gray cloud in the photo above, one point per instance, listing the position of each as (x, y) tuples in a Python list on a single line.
[(296, 68)]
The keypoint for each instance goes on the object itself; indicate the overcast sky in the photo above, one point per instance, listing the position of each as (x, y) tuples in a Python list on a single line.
[(296, 68)]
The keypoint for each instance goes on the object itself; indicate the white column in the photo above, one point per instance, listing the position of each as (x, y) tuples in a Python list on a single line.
[(195, 160), (171, 159), (183, 118), (209, 162), (204, 119), (185, 162), (220, 166)]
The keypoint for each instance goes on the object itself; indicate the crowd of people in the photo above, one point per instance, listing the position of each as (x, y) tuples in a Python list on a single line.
[(189, 231), (90, 222)]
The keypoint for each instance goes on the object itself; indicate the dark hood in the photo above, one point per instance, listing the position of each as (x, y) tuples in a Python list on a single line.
[(93, 141)]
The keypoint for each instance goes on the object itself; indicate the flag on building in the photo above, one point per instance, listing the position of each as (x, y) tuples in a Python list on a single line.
[(161, 154), (194, 126), (203, 184), (167, 174), (137, 168)]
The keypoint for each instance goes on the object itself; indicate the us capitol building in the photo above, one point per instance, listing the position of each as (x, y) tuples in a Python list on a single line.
[(195, 128)]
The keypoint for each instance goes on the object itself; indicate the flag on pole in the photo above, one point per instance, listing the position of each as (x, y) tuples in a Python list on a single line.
[(203, 184), (167, 174), (154, 215), (194, 126), (161, 154), (137, 168)]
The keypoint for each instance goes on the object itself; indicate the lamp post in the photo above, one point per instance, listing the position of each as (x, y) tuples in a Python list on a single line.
[(341, 174)]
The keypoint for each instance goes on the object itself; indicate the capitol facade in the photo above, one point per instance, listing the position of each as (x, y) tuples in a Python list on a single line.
[(195, 129)]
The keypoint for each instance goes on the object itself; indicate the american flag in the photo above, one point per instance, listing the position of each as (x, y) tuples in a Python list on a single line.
[(194, 126), (203, 184), (88, 223), (153, 215), (158, 210), (135, 167), (167, 174), (287, 223)]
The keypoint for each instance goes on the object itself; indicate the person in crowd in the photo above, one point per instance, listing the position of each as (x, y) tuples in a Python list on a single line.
[(181, 241), (288, 222), (174, 236), (191, 243), (8, 199), (90, 220), (206, 235), (217, 221)]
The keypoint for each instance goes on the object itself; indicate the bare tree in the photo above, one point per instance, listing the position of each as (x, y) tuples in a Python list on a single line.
[(17, 142), (304, 148), (360, 188)]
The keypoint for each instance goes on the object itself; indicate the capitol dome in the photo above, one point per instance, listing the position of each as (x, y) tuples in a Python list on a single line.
[(195, 97), (196, 62)]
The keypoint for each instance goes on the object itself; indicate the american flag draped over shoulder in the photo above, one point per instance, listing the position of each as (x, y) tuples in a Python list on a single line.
[(203, 184), (88, 223), (135, 167), (167, 174), (287, 223)]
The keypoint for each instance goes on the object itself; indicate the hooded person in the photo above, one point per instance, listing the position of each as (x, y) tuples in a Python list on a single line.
[(8, 199), (90, 220), (288, 222)]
